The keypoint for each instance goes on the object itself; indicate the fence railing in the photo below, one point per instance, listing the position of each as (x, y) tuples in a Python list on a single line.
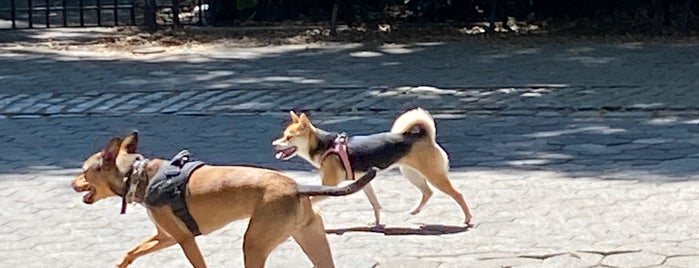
[(27, 14)]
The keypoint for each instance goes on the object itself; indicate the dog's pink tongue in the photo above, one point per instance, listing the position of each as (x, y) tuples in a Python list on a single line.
[(279, 155)]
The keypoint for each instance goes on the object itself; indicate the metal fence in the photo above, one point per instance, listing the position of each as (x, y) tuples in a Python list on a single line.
[(26, 14)]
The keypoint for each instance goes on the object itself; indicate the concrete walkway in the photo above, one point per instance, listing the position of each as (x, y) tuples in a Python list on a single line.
[(570, 154)]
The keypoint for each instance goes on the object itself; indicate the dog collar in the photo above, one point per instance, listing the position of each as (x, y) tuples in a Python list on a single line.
[(340, 148), (132, 180)]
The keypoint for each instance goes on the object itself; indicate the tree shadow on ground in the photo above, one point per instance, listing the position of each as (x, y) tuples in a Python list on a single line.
[(606, 148), (497, 104)]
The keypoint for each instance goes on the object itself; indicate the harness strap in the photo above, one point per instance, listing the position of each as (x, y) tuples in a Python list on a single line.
[(179, 208), (177, 201), (341, 150)]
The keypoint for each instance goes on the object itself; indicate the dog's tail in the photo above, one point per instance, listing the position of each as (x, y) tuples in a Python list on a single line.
[(315, 190), (415, 122)]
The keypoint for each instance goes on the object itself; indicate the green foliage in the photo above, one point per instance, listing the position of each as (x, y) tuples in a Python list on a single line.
[(245, 4)]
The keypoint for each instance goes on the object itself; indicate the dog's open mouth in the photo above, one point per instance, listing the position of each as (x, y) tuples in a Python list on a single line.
[(285, 153), (89, 197)]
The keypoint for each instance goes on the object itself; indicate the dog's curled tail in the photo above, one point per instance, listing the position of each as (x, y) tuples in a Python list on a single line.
[(416, 121), (316, 190)]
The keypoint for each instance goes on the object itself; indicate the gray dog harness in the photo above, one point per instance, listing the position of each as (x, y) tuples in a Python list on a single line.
[(169, 187)]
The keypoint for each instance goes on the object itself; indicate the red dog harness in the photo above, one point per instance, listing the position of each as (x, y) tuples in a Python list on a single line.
[(340, 148)]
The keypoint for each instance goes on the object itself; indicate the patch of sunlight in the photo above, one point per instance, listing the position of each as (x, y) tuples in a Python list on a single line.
[(434, 90), (648, 105), (339, 120), (281, 79), (391, 63), (531, 95), (251, 105), (242, 55), (160, 73), (73, 32), (528, 162), (548, 86), (507, 90), (365, 54), (546, 155), (448, 116), (397, 49), (133, 81), (528, 51), (499, 56), (289, 79), (310, 81), (593, 129), (592, 60), (219, 86), (631, 45), (663, 121), (691, 122), (213, 75), (8, 54), (195, 59), (418, 90), (428, 44)]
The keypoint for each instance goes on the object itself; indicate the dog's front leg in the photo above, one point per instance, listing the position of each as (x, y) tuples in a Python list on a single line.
[(331, 173), (191, 250), (369, 191), (155, 243)]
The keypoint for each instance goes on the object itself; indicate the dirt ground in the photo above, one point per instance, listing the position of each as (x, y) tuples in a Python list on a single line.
[(255, 35)]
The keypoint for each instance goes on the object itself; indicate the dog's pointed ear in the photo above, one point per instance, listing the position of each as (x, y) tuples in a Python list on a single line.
[(304, 121), (303, 118), (110, 152), (294, 117), (130, 143)]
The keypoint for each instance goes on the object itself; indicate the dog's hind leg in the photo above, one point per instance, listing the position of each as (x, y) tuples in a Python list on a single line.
[(419, 181), (313, 241), (155, 243), (269, 226), (435, 171), (369, 191)]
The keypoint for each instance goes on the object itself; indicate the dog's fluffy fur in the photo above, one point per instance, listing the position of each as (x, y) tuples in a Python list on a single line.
[(410, 145), (278, 208)]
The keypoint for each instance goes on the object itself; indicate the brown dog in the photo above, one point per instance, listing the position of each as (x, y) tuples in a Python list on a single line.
[(277, 206), (410, 145)]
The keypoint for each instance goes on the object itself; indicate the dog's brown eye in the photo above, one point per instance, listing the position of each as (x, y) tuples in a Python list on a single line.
[(288, 138)]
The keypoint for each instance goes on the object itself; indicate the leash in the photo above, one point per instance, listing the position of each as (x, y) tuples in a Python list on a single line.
[(341, 150)]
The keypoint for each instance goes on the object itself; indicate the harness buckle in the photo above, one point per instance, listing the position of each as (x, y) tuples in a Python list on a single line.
[(342, 138)]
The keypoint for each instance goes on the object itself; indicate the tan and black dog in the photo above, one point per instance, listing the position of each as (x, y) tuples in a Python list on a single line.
[(277, 206), (410, 145)]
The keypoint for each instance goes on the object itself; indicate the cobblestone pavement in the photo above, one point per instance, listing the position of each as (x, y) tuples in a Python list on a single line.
[(600, 170)]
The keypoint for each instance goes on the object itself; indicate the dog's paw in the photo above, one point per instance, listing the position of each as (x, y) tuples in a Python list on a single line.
[(468, 222), (415, 212), (378, 228)]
